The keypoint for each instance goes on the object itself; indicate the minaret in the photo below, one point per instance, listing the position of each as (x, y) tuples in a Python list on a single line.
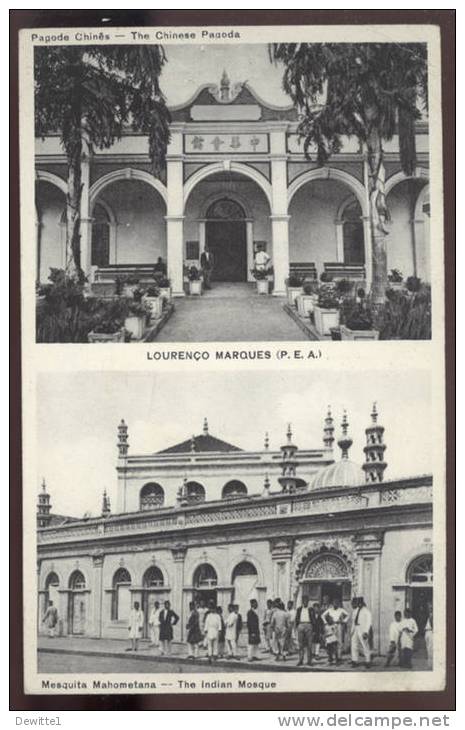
[(224, 87), (328, 430), (266, 442), (106, 506), (205, 427), (43, 507), (123, 446), (289, 480), (266, 486), (374, 465), (345, 442)]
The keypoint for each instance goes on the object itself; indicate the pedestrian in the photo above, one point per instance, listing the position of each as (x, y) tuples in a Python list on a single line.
[(50, 619), (136, 624), (159, 268), (168, 619), (202, 611), (304, 620), (221, 635), (429, 636), (267, 630), (360, 632), (206, 264), (291, 638), (408, 631), (318, 636), (394, 637), (194, 635), (253, 629), (340, 618), (154, 625), (330, 638), (239, 624), (230, 633), (212, 630), (262, 260), (280, 628)]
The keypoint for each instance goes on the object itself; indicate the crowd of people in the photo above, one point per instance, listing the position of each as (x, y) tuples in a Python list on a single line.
[(310, 633)]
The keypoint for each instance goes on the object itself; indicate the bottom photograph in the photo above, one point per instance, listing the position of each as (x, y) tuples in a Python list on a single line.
[(234, 522)]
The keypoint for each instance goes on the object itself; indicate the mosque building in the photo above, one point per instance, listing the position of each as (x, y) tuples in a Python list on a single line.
[(236, 179), (206, 519)]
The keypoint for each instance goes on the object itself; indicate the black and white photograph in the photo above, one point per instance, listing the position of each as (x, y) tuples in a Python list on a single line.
[(269, 537), (246, 192)]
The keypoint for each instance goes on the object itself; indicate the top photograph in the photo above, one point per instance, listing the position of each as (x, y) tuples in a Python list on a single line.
[(232, 193)]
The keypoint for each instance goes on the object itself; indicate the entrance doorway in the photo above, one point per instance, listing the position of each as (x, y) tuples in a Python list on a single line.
[(226, 239), (204, 583), (77, 604), (420, 590), (325, 592)]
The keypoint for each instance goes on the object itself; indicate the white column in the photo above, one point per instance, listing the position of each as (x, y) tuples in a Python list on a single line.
[(202, 236), (249, 239), (369, 548), (177, 594), (85, 219), (279, 216), (339, 241), (367, 229), (97, 595), (175, 214)]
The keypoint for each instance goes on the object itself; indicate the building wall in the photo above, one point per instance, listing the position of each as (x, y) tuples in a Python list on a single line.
[(403, 233), (51, 204)]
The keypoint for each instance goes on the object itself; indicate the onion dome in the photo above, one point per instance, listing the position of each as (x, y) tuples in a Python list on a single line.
[(343, 473)]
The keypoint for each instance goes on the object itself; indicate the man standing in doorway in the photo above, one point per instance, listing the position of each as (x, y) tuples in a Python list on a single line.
[(168, 619), (360, 632), (136, 623), (408, 631), (304, 620), (206, 264), (154, 625), (253, 628)]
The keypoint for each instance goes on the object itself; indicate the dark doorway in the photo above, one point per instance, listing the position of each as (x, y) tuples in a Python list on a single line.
[(228, 246), (227, 241), (421, 598), (205, 595)]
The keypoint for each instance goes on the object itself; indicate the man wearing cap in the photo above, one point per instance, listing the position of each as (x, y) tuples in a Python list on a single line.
[(360, 632)]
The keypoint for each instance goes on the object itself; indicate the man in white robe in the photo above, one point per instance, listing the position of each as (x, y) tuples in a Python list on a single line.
[(408, 631), (360, 632)]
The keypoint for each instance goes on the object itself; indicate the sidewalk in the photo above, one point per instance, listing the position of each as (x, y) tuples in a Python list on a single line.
[(117, 649)]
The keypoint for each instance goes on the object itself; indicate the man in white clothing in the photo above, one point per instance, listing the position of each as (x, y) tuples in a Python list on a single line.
[(408, 631), (262, 260), (360, 632), (394, 636), (136, 623), (154, 625), (212, 629), (230, 635)]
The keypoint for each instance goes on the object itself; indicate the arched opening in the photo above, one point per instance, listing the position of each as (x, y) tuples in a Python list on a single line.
[(326, 577), (352, 234), (195, 492), (152, 496), (77, 603), (51, 228), (227, 210), (153, 577), (52, 584), (420, 589), (234, 488), (244, 580), (100, 253), (153, 589), (408, 241), (121, 595), (205, 581)]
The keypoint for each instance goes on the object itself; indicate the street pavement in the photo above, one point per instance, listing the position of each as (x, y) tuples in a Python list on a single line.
[(230, 313), (74, 655)]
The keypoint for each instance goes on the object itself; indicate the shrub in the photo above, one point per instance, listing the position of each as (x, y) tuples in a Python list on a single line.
[(310, 287), (406, 317), (344, 286), (327, 297), (193, 273), (395, 276), (413, 284), (260, 274), (152, 291), (293, 280), (325, 277), (161, 280)]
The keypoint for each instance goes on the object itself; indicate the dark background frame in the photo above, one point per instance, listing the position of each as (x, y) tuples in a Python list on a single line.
[(292, 702)]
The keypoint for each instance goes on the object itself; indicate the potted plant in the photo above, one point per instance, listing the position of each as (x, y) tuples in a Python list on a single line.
[(154, 301), (107, 330), (307, 299), (163, 284), (136, 319), (395, 279), (413, 284), (326, 312), (195, 281), (261, 277), (359, 321), (294, 288), (130, 286)]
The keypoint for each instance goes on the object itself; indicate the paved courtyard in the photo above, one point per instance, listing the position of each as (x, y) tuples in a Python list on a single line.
[(74, 655), (230, 313)]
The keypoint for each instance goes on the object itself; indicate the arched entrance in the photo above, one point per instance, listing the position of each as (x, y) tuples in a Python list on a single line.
[(244, 581), (52, 584), (205, 581), (121, 595), (420, 589), (225, 238), (153, 584), (326, 577), (77, 604)]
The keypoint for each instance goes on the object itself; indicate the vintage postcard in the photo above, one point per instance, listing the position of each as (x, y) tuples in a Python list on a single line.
[(241, 487)]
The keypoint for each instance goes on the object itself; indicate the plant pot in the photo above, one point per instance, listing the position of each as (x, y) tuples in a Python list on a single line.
[(102, 337), (348, 334), (325, 319), (305, 304), (292, 293), (165, 292), (263, 286), (195, 287), (135, 326), (156, 306)]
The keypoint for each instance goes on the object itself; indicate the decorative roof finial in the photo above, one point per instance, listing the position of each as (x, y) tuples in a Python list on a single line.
[(106, 506), (374, 413), (267, 441), (43, 507), (123, 445), (328, 430), (44, 486), (345, 442), (266, 486), (289, 433), (192, 443), (225, 85), (375, 464), (205, 427)]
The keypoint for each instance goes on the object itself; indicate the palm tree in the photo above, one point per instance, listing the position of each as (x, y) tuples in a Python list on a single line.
[(367, 90), (88, 95)]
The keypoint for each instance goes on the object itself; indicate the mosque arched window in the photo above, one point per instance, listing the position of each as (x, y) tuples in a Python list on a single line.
[(152, 496), (195, 492), (234, 488), (121, 595), (153, 577), (205, 576)]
